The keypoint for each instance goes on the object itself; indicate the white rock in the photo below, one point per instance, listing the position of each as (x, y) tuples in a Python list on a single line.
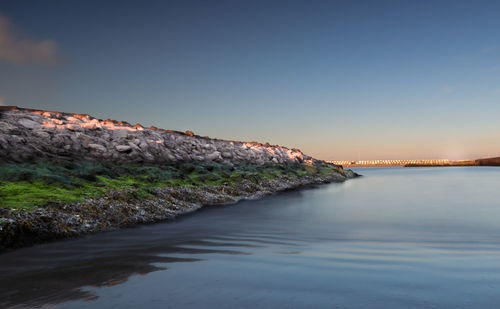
[(30, 124)]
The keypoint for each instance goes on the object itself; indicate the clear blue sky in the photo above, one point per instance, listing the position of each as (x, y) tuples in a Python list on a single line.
[(338, 79)]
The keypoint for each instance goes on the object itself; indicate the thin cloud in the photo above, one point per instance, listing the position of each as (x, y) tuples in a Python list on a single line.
[(2, 101), (19, 50)]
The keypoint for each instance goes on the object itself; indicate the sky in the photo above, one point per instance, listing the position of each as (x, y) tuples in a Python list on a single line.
[(341, 80)]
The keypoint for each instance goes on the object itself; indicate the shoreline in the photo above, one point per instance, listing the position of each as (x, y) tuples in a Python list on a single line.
[(119, 209)]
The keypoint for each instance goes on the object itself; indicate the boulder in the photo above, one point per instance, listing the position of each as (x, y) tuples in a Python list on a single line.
[(123, 148), (199, 158), (214, 156), (42, 134), (148, 157), (97, 147), (134, 146)]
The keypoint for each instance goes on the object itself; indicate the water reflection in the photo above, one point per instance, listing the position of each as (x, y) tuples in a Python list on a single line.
[(63, 271), (52, 286), (397, 238), (60, 272), (63, 282)]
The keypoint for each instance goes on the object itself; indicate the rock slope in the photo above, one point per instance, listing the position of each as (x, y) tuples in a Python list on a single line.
[(27, 134)]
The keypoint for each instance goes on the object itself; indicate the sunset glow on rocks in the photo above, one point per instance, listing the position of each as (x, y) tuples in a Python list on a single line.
[(86, 137)]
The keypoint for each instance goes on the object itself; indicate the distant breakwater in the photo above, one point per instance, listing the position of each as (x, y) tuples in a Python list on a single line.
[(374, 163), (416, 163)]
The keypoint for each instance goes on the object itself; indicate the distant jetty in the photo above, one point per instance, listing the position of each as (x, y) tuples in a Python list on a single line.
[(369, 163), (417, 163)]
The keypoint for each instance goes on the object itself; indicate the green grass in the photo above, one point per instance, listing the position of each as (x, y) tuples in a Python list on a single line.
[(38, 184), (26, 194)]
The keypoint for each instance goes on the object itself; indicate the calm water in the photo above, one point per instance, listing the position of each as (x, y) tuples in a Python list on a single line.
[(396, 238)]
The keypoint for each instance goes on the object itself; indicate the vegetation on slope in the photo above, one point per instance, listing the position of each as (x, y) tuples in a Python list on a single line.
[(37, 184)]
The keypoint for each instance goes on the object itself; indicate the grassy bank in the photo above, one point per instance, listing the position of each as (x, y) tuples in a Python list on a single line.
[(44, 183)]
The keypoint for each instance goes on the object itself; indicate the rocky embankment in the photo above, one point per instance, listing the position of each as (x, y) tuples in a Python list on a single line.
[(108, 201), (27, 134)]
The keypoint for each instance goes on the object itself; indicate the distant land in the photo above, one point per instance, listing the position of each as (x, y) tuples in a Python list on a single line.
[(416, 163)]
